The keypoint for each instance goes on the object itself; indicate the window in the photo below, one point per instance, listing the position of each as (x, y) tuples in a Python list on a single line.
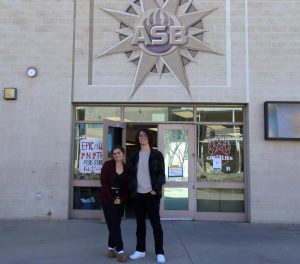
[(282, 120), (87, 164), (158, 114), (86, 198), (99, 113), (219, 114), (220, 200), (220, 153)]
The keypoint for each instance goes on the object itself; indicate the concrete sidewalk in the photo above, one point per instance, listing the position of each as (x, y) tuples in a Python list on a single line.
[(84, 241)]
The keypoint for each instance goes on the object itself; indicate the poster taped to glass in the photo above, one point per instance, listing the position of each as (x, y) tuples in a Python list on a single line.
[(175, 172), (90, 157)]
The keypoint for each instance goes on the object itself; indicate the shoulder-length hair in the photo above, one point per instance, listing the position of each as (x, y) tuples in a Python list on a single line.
[(117, 147), (148, 134)]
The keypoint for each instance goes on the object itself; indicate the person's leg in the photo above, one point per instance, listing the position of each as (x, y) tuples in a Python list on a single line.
[(118, 238), (153, 211), (113, 216), (121, 256), (140, 214), (108, 215), (116, 227)]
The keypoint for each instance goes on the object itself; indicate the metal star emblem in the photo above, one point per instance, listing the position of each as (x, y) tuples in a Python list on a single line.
[(159, 34)]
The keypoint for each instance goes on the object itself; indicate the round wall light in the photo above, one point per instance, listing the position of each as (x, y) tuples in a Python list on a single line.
[(32, 71)]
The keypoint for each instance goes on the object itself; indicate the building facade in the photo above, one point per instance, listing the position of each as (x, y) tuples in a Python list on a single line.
[(88, 73)]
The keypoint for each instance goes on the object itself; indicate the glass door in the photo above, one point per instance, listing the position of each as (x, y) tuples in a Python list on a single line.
[(114, 134), (93, 142), (176, 144)]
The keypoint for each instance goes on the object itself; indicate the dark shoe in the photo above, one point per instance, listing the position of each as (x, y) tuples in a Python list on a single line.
[(122, 257), (111, 253)]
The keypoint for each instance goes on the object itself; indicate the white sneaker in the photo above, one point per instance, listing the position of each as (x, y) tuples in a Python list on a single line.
[(137, 255), (160, 258)]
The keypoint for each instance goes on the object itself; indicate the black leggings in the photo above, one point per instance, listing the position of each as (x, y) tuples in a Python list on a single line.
[(113, 214)]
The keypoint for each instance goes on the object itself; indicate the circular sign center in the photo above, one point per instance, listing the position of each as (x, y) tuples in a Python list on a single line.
[(159, 33)]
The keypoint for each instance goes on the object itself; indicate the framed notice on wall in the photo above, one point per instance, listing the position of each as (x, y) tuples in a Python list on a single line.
[(282, 120)]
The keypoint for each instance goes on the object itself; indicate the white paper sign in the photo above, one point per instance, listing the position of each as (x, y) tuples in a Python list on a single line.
[(175, 172), (217, 162), (91, 153)]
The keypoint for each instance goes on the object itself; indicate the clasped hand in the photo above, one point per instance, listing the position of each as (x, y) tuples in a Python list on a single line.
[(117, 200)]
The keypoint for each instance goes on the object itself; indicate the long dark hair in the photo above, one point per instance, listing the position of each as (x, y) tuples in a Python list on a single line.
[(148, 134)]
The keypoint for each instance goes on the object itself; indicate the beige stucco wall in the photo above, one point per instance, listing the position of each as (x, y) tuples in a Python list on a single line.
[(36, 128), (274, 45)]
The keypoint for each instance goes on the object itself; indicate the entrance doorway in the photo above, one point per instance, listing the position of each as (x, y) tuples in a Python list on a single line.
[(203, 147), (176, 144), (175, 141)]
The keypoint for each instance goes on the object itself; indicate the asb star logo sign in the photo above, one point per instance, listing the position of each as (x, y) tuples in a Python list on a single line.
[(161, 36)]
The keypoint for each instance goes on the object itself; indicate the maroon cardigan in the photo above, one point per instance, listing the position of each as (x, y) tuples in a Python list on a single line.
[(108, 173)]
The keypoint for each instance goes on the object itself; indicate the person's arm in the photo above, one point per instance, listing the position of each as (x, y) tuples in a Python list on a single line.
[(161, 178)]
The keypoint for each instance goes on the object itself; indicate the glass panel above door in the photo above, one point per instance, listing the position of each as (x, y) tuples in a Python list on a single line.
[(220, 114), (220, 153), (145, 114), (176, 154), (99, 113), (158, 114), (181, 114), (88, 151)]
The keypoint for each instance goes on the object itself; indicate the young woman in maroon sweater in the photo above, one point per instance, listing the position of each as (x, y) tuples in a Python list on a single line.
[(114, 192)]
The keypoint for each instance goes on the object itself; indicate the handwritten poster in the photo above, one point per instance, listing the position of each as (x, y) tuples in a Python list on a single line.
[(91, 154)]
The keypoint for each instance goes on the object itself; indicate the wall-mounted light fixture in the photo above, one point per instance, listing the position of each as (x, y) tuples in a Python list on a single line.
[(32, 71), (10, 93)]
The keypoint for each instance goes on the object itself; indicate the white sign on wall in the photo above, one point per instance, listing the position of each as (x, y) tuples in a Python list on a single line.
[(91, 154)]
